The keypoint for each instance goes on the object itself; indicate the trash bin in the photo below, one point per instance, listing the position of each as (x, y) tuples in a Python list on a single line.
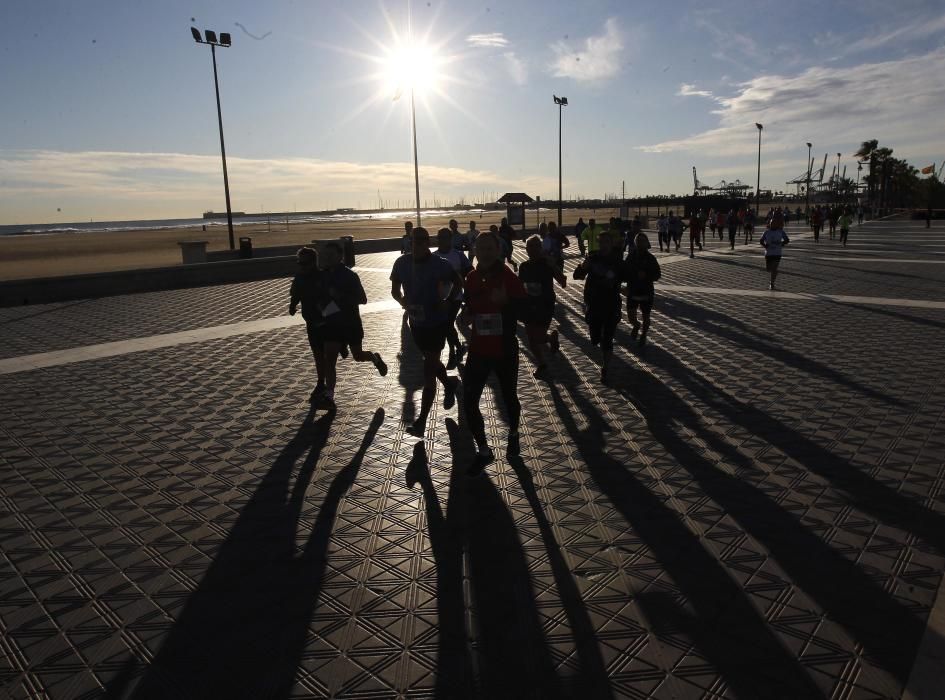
[(347, 247), (246, 247)]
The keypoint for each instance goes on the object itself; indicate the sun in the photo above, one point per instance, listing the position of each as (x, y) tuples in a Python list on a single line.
[(416, 66)]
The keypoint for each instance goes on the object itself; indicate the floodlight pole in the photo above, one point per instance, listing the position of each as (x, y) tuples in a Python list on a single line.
[(758, 181), (807, 190), (416, 165), (561, 102), (226, 179)]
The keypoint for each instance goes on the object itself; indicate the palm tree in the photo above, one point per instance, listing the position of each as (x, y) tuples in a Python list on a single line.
[(866, 153)]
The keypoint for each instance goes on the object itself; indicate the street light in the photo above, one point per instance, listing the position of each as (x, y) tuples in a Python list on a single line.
[(561, 102), (807, 190), (838, 176), (210, 37), (758, 181)]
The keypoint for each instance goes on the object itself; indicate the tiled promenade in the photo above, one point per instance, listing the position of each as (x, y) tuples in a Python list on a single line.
[(753, 508)]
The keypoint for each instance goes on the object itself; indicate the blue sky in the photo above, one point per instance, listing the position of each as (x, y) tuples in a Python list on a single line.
[(108, 109)]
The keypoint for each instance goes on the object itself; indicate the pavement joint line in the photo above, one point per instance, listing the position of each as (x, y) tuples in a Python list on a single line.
[(55, 358)]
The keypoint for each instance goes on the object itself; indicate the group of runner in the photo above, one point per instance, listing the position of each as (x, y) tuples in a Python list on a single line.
[(834, 217), (464, 286)]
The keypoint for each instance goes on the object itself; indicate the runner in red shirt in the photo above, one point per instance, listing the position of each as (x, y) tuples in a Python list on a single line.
[(493, 297)]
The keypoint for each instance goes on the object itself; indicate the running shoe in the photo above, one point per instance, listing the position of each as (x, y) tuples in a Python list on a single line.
[(554, 341), (603, 374), (635, 331), (379, 364), (449, 398), (483, 458), (327, 400), (316, 393), (541, 372), (417, 428)]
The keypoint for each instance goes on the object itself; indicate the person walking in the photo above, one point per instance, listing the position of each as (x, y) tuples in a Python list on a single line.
[(460, 264), (845, 221), (471, 235), (675, 226), (662, 231), (507, 234), (423, 283), (605, 274), (592, 236), (773, 241), (538, 275), (579, 228), (816, 221), (406, 243), (732, 223), (642, 271), (695, 233), (342, 294), (494, 297), (306, 290)]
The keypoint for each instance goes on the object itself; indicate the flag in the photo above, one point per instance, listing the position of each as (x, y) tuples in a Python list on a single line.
[(928, 170)]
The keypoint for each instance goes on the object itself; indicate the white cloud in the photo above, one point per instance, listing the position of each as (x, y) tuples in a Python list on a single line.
[(599, 59), (913, 31), (165, 184), (687, 90), (494, 39), (898, 102), (516, 67)]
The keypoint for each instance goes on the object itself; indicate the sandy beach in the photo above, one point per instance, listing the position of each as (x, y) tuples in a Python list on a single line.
[(57, 254)]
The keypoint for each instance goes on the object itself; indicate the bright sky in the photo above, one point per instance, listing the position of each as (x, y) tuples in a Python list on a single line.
[(108, 109)]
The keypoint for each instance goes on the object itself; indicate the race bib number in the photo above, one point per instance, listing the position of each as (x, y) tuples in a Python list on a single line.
[(330, 309), (533, 288), (488, 324), (415, 313)]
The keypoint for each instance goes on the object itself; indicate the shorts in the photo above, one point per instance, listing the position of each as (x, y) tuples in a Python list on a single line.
[(644, 303), (344, 334), (537, 331), (429, 339), (772, 262)]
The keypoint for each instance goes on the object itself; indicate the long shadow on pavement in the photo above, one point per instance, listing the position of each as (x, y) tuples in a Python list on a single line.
[(889, 630), (746, 337), (243, 631), (728, 630)]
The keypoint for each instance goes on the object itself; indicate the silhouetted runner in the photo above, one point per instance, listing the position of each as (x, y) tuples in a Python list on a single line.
[(604, 274), (579, 229), (642, 271), (494, 296), (306, 290), (342, 295), (423, 283), (845, 221), (773, 240), (695, 233), (538, 275), (461, 265)]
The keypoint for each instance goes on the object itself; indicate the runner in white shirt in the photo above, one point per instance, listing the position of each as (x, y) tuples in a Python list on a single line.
[(773, 240)]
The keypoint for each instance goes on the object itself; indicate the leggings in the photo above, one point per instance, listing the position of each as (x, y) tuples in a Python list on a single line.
[(475, 377), (602, 325)]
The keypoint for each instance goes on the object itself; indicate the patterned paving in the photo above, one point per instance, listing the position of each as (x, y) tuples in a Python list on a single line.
[(753, 508)]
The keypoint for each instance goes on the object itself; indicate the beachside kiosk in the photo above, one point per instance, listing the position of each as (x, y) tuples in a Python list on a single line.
[(515, 207)]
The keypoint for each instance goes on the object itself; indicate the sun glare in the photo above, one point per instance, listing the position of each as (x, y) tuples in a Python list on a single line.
[(415, 66)]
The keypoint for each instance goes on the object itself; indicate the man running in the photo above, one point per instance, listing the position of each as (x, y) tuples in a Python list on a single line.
[(604, 274), (773, 240), (816, 221), (494, 296), (642, 271), (471, 235), (553, 242), (507, 234), (423, 283), (460, 264), (406, 243), (845, 222), (749, 225), (592, 236), (711, 219), (833, 216), (662, 232), (538, 275), (720, 220), (732, 222), (695, 233), (457, 238), (343, 293), (307, 290), (675, 225), (579, 234)]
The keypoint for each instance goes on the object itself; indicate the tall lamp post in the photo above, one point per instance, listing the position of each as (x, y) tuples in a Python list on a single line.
[(758, 181), (807, 189), (416, 163), (210, 37), (838, 176), (561, 102)]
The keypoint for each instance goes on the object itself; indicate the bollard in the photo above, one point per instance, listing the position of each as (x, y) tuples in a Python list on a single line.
[(246, 247)]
